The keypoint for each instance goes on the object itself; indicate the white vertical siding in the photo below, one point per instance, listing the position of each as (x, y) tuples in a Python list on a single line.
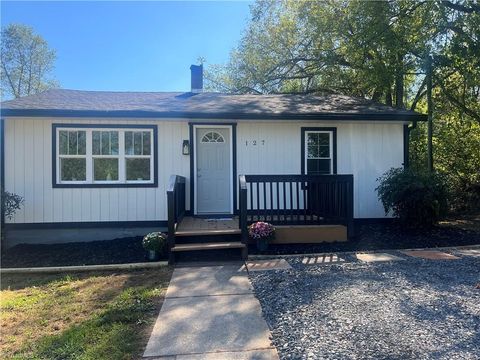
[(28, 173), (365, 150)]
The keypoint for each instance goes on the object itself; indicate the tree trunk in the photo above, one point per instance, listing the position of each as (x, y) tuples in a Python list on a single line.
[(399, 86), (377, 93), (388, 97)]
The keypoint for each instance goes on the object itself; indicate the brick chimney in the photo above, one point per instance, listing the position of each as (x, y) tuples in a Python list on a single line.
[(196, 78)]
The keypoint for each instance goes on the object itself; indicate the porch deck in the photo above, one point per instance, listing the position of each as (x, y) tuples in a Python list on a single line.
[(198, 226), (303, 208)]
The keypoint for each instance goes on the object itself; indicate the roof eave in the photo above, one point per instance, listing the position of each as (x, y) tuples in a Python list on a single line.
[(218, 115)]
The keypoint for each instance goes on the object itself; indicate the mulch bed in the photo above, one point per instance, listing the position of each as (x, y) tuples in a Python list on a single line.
[(129, 250), (382, 236), (118, 251)]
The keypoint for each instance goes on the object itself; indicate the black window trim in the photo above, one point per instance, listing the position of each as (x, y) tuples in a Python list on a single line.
[(154, 128), (333, 130)]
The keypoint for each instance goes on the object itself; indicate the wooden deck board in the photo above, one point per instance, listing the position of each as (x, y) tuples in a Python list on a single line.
[(207, 232), (194, 226)]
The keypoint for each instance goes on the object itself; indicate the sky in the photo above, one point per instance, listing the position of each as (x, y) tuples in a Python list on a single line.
[(132, 46)]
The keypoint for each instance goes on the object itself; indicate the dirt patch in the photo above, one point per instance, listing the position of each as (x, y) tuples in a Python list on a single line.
[(471, 222)]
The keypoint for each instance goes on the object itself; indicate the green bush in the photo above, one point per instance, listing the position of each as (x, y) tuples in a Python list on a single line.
[(418, 199), (155, 241), (11, 203)]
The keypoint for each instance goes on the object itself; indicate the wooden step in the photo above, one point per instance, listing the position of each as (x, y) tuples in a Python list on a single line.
[(201, 232), (208, 246)]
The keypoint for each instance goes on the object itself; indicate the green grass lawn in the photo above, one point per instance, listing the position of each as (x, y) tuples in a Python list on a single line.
[(79, 316)]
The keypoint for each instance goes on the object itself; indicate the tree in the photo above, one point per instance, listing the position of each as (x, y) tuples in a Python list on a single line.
[(371, 49), (26, 62), (375, 50)]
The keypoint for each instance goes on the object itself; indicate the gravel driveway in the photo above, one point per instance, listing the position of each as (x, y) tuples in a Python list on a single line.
[(422, 309)]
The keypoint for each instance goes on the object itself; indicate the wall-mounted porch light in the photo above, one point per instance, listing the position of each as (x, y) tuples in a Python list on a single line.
[(186, 147)]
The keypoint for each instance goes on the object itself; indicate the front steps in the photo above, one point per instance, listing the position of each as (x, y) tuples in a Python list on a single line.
[(213, 245)]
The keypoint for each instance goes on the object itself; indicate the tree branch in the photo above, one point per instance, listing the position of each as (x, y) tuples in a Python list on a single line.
[(10, 81), (420, 94), (462, 8), (458, 103)]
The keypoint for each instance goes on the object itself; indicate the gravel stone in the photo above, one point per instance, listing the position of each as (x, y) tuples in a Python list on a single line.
[(417, 308)]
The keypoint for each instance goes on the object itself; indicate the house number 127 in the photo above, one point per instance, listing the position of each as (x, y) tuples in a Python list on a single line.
[(255, 142)]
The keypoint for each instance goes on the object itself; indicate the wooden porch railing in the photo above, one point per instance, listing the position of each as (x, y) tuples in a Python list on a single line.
[(296, 200), (176, 208)]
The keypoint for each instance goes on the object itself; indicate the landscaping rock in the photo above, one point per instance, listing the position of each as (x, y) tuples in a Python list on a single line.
[(417, 308)]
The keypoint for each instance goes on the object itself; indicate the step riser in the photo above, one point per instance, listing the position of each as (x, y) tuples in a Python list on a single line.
[(206, 239), (210, 255)]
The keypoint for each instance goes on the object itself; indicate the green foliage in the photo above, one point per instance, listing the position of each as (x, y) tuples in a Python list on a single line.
[(155, 241), (26, 61), (416, 198), (79, 316), (112, 334), (375, 50), (351, 47), (11, 203), (456, 152)]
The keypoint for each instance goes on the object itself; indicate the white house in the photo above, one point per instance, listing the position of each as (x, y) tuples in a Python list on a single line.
[(101, 161)]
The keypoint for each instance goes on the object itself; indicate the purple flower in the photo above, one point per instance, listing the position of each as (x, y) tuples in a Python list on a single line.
[(260, 229)]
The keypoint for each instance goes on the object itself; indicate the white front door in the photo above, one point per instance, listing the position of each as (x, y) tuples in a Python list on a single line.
[(213, 170)]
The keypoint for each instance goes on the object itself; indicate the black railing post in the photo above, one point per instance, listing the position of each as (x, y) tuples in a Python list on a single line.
[(175, 209), (243, 214), (171, 225), (350, 223), (327, 199)]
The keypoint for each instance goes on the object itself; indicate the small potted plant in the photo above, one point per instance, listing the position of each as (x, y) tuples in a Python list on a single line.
[(154, 243), (262, 233)]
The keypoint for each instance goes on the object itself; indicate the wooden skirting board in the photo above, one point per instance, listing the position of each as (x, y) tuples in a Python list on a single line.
[(308, 234)]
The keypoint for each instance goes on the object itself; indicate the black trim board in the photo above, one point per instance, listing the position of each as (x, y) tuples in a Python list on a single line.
[(234, 166), (192, 165), (406, 146), (302, 142), (87, 225), (2, 172), (105, 126), (210, 115)]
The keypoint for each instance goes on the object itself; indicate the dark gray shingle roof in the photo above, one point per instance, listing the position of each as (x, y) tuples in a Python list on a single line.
[(62, 102)]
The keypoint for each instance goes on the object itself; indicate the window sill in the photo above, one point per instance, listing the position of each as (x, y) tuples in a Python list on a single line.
[(106, 185)]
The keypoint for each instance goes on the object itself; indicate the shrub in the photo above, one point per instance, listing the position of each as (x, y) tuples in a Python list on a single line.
[(418, 199), (466, 198), (155, 241), (11, 203)]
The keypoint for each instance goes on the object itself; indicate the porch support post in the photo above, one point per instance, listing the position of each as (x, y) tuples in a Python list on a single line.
[(350, 222), (171, 212), (243, 214), (171, 226)]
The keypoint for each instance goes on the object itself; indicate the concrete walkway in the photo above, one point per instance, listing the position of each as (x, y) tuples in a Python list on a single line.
[(210, 313)]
